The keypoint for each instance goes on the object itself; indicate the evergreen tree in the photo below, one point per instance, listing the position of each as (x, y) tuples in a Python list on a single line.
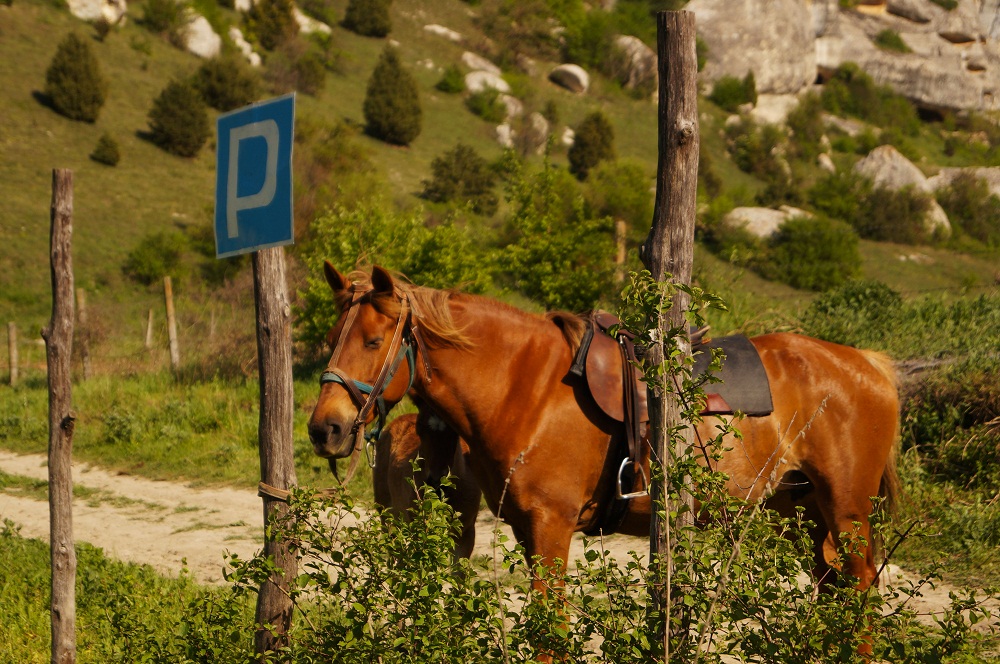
[(594, 143), (273, 21), (106, 151), (178, 119), (368, 17), (392, 104), (73, 81), (462, 175), (226, 83)]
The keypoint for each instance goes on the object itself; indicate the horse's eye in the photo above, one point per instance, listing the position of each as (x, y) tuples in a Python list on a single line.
[(374, 343)]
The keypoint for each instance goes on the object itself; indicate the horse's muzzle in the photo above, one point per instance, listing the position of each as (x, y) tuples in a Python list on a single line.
[(331, 440)]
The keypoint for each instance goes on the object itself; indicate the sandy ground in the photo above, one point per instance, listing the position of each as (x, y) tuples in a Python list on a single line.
[(164, 524)]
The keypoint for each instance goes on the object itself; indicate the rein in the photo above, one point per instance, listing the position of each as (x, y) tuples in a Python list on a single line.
[(368, 397)]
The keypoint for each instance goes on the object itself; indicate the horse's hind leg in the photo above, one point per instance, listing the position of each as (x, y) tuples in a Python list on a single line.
[(848, 545)]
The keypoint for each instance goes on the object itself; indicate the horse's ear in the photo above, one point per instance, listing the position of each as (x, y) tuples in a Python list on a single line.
[(382, 280), (336, 280)]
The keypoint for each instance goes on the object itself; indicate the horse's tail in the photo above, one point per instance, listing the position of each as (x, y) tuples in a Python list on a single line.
[(889, 486)]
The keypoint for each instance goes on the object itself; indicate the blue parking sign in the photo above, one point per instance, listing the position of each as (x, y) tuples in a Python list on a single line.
[(253, 185)]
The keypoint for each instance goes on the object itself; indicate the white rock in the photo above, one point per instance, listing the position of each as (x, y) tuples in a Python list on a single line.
[(111, 11), (479, 63), (568, 137), (505, 135), (513, 105), (825, 162), (761, 222), (947, 175), (888, 169), (773, 109), (309, 25), (442, 31), (200, 39), (477, 81), (572, 77), (236, 36)]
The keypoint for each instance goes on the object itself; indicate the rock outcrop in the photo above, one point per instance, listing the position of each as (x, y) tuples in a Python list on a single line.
[(111, 11), (572, 77), (888, 169), (200, 38), (477, 81), (635, 63), (761, 222)]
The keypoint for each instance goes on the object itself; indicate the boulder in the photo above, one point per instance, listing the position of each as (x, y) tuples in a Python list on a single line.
[(989, 18), (309, 25), (825, 161), (535, 133), (888, 169), (572, 77), (947, 175), (761, 222), (513, 105), (244, 47), (775, 39), (635, 63), (200, 39), (442, 31), (505, 135), (479, 63), (773, 109), (568, 137), (477, 81), (111, 11)]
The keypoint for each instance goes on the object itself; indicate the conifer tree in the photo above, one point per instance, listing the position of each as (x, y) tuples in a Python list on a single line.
[(368, 17), (594, 143), (73, 81), (392, 103), (273, 21), (178, 119)]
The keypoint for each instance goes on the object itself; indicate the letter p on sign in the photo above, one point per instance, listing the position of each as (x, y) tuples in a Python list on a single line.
[(253, 195)]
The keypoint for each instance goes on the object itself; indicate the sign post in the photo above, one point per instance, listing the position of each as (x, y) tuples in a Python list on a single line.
[(253, 213)]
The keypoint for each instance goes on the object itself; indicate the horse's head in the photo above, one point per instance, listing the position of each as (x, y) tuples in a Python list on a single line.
[(367, 374)]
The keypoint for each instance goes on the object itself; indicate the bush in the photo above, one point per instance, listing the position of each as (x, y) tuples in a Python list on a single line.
[(806, 124), (165, 17), (729, 92), (178, 120), (272, 22), (487, 104), (452, 81), (621, 190), (462, 175), (520, 28), (594, 143), (227, 83), (156, 256), (106, 151), (392, 103), (369, 18), (588, 41), (889, 40), (853, 92), (894, 216), (971, 208), (299, 65), (73, 81), (813, 254)]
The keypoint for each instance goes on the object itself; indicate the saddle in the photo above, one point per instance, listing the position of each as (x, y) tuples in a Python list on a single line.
[(609, 366)]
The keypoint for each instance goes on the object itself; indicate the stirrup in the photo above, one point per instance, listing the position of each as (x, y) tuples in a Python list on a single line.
[(635, 494)]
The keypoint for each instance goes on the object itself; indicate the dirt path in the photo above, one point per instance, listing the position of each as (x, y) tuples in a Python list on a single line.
[(162, 524)]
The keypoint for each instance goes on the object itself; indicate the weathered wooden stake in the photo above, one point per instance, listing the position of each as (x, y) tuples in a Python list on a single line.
[(277, 454), (84, 330), (58, 351), (175, 352), (149, 330), (620, 254), (668, 253), (12, 352)]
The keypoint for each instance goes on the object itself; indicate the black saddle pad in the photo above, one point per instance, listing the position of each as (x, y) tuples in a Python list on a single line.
[(744, 383)]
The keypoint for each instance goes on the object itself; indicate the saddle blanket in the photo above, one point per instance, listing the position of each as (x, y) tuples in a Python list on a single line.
[(744, 385)]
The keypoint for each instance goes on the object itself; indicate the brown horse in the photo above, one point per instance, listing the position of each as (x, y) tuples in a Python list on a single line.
[(425, 440), (543, 452)]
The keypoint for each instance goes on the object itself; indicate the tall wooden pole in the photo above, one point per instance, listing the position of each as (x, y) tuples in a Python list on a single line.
[(668, 253), (175, 352), (277, 454), (58, 350), (149, 330), (12, 352)]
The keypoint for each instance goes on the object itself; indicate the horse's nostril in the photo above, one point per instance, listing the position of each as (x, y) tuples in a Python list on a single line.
[(335, 430)]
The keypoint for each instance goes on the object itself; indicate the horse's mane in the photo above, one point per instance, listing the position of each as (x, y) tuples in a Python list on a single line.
[(435, 320)]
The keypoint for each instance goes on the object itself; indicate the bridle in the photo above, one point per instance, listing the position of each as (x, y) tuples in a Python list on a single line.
[(406, 342)]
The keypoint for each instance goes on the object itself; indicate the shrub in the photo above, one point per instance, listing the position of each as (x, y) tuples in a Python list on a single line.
[(106, 151), (296, 64), (813, 254), (227, 83), (321, 10), (452, 80), (73, 81), (621, 190), (178, 120), (729, 92), (102, 28), (165, 17), (462, 175), (392, 103), (520, 28), (840, 195), (588, 41), (807, 128), (369, 18), (272, 22), (853, 92), (594, 143), (487, 104), (972, 208), (156, 256), (894, 216), (889, 40)]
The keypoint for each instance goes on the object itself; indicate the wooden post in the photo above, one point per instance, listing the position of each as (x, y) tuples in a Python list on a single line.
[(149, 330), (12, 352), (668, 253), (620, 235), (175, 353), (58, 350), (84, 330), (277, 455)]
